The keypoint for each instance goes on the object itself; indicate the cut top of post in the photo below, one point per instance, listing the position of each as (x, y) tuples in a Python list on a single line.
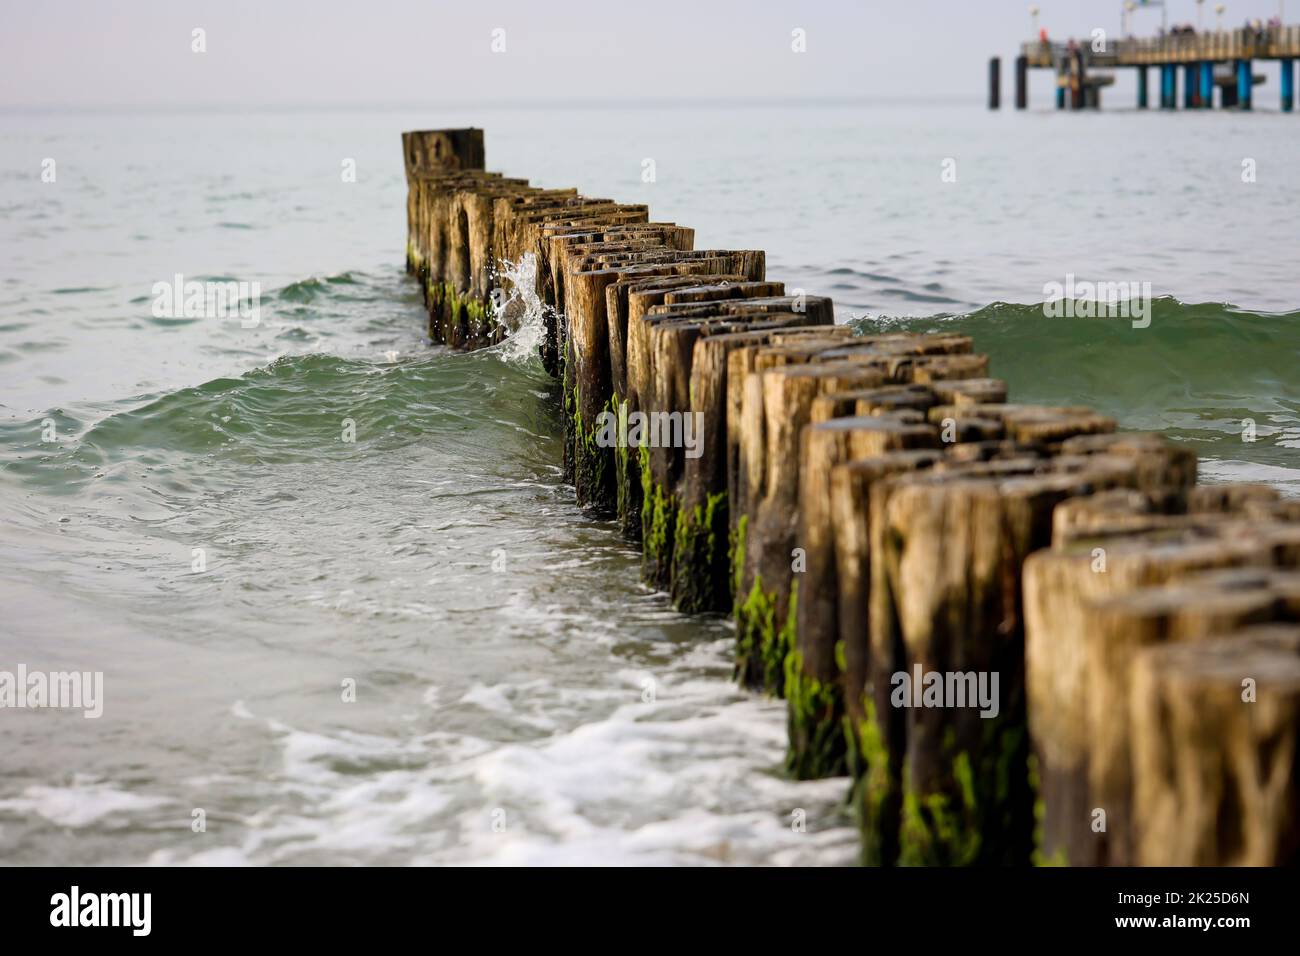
[(442, 150)]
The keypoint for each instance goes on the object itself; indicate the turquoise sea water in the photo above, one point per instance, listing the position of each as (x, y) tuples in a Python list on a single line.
[(519, 697)]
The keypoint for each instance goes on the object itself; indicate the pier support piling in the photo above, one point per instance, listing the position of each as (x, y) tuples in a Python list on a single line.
[(1245, 84), (1228, 95), (1022, 82), (1142, 87), (1078, 82), (995, 83), (1191, 87), (1288, 85), (1168, 86), (1207, 85)]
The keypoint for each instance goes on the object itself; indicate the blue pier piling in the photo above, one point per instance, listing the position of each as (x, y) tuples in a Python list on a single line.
[(1060, 97), (1207, 85), (1245, 84), (1191, 88), (1142, 87), (1288, 85), (1168, 86)]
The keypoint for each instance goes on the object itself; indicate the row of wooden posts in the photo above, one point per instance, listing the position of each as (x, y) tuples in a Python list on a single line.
[(872, 506)]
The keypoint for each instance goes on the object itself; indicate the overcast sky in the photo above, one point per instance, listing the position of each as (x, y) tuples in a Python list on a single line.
[(128, 53)]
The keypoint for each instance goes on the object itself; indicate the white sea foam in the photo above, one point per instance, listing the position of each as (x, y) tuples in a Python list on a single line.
[(80, 805), (1286, 480), (690, 777)]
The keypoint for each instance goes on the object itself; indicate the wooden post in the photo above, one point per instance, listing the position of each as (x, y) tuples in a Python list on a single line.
[(1193, 611), (813, 671), (627, 302), (1061, 589), (947, 549), (880, 732), (767, 598), (442, 150), (592, 390), (851, 485), (701, 560), (1216, 774)]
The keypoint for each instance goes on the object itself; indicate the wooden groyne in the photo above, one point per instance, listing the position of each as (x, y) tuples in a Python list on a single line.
[(1024, 635)]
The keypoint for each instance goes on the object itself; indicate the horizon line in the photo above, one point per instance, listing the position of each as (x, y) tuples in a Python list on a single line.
[(499, 103)]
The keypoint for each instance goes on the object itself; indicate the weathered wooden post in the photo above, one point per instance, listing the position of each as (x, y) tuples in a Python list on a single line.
[(1063, 586), (1194, 610), (701, 561), (946, 563), (778, 396), (768, 595), (1216, 754), (851, 486), (813, 669), (442, 150)]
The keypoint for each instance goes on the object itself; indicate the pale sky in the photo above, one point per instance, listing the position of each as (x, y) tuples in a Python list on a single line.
[(268, 53)]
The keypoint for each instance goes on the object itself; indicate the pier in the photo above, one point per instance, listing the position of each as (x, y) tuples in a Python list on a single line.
[(1023, 636), (1225, 60)]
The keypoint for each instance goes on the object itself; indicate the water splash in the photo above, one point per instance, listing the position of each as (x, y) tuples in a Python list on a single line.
[(520, 309)]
